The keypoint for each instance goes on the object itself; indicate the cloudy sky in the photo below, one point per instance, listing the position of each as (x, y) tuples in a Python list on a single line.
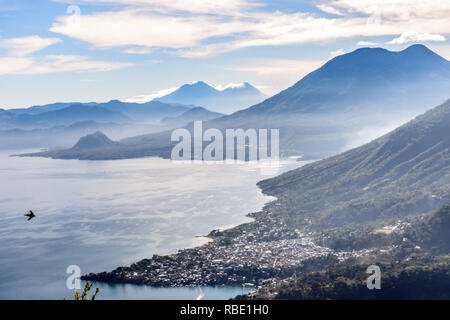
[(98, 50)]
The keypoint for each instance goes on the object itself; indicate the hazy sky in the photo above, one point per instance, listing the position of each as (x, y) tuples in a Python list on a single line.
[(98, 50)]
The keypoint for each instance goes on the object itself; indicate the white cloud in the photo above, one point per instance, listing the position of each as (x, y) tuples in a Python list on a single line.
[(367, 44), (442, 49), (276, 29), (137, 27), (19, 58), (148, 97), (20, 47), (276, 73), (10, 65), (336, 53), (199, 28), (67, 63), (138, 51), (329, 9), (193, 6), (161, 93), (396, 9), (416, 37), (274, 70), (56, 63), (268, 68), (228, 86)]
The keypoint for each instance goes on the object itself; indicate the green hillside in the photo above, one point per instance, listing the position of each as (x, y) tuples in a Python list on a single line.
[(403, 173)]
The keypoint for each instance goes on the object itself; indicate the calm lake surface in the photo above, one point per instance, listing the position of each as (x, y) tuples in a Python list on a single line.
[(103, 214)]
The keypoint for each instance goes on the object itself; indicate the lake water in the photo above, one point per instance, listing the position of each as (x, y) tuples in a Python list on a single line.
[(103, 214)]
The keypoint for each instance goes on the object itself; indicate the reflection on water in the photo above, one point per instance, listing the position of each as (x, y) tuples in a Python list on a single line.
[(139, 292), (102, 214)]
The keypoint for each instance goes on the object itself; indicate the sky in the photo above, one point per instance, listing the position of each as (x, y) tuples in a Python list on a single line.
[(135, 50)]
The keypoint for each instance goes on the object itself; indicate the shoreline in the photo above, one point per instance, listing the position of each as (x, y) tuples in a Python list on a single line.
[(253, 253), (205, 241), (215, 204), (222, 257)]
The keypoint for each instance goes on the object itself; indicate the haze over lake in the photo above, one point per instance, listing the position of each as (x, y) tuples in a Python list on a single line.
[(103, 214)]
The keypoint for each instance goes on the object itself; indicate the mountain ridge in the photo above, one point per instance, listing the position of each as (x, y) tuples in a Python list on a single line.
[(227, 100), (333, 107), (94, 141), (70, 114), (67, 113), (194, 114), (404, 172), (358, 61)]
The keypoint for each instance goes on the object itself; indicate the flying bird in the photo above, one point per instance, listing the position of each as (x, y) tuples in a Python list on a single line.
[(30, 215)]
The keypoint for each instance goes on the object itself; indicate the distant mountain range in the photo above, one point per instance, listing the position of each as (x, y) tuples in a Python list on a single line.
[(59, 137), (349, 101), (54, 137), (149, 111), (228, 100), (53, 125), (62, 124), (47, 107), (67, 113)]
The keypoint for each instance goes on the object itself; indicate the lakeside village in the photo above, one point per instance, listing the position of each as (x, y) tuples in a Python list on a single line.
[(262, 252)]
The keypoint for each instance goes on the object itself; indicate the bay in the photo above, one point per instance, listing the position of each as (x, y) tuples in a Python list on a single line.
[(99, 215)]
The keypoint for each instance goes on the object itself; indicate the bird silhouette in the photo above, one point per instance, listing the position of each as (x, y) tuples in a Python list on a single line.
[(30, 216)]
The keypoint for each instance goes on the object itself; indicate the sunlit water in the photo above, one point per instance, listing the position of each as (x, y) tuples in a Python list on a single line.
[(103, 214)]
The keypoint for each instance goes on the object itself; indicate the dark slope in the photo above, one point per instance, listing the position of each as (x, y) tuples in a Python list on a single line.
[(94, 141), (92, 147), (425, 274), (413, 280), (439, 230), (124, 149), (404, 172), (433, 231)]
